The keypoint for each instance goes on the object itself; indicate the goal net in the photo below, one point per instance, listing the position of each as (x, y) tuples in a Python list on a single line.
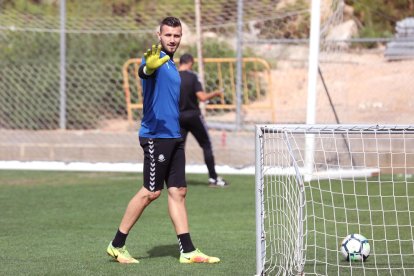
[(361, 182)]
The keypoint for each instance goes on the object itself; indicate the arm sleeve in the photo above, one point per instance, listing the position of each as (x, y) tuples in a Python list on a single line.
[(141, 73), (197, 85)]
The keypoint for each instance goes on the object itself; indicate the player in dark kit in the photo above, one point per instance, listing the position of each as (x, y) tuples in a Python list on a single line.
[(191, 119), (160, 138)]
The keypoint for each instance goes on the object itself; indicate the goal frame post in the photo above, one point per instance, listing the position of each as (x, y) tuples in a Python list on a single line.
[(260, 240)]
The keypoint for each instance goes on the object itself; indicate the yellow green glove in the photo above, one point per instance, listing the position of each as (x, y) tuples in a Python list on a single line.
[(153, 60)]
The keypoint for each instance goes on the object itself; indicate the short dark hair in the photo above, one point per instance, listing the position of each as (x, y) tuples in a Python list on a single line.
[(170, 21), (186, 58)]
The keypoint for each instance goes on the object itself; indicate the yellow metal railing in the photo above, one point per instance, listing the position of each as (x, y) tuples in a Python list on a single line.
[(257, 84)]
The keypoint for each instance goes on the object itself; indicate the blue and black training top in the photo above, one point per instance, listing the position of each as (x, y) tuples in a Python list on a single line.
[(161, 96)]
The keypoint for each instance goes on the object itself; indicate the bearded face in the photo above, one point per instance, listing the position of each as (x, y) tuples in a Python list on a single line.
[(170, 38)]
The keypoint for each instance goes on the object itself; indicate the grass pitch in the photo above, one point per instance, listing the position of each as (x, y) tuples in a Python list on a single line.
[(60, 223)]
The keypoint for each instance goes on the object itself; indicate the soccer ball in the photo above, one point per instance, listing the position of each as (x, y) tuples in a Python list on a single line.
[(355, 247)]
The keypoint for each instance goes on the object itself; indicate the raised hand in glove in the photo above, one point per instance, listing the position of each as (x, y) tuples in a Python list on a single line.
[(153, 60)]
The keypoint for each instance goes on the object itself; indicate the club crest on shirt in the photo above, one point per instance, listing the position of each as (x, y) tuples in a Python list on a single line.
[(161, 158)]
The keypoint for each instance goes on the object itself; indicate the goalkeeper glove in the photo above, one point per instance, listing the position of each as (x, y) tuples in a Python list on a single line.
[(153, 60)]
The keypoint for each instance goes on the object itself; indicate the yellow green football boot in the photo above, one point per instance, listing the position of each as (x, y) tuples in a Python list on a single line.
[(120, 254), (197, 256)]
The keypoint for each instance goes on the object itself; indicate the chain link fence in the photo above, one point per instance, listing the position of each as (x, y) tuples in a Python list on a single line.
[(360, 85)]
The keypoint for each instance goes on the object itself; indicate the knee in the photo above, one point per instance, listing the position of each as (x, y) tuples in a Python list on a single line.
[(206, 145), (182, 192), (154, 195), (151, 196), (177, 193), (207, 149)]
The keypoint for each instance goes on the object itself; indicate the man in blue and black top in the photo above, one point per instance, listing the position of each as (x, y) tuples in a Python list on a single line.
[(160, 138)]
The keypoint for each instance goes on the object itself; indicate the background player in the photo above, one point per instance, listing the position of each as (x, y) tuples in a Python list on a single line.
[(191, 119)]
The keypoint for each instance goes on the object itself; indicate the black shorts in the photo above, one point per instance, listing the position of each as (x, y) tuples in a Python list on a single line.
[(164, 161)]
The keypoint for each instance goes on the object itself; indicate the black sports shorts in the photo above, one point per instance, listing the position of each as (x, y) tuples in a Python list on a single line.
[(164, 161)]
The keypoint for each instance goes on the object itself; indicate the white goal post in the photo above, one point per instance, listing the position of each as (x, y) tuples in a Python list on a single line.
[(361, 182)]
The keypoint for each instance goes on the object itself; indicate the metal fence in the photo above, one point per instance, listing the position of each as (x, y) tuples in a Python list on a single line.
[(220, 75), (76, 110)]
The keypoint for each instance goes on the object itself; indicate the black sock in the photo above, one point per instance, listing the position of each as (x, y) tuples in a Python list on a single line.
[(119, 240), (185, 243)]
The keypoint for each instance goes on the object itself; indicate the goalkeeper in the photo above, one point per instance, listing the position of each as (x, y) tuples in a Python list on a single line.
[(160, 139)]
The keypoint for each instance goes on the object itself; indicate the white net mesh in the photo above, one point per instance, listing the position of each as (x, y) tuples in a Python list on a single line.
[(305, 222)]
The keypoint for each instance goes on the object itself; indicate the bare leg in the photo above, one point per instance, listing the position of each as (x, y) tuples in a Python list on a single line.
[(177, 209), (136, 207)]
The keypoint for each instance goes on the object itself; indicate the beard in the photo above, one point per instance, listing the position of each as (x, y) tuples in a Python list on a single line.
[(166, 48)]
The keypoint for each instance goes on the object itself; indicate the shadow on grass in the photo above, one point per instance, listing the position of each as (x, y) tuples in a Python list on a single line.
[(193, 182), (162, 251)]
